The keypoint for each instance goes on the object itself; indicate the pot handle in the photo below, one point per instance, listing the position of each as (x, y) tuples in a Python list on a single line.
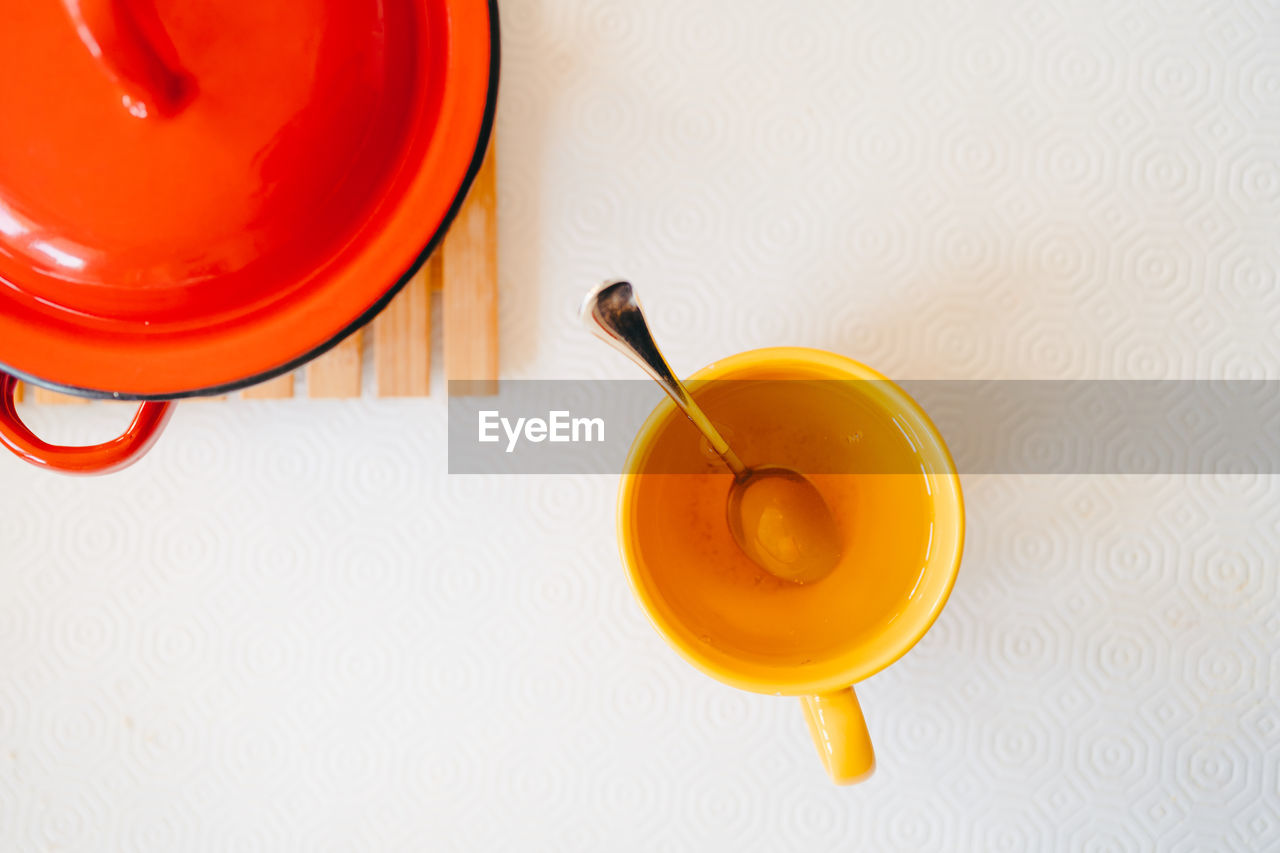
[(95, 459)]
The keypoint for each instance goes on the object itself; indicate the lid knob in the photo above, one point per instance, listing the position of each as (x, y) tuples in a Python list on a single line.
[(128, 39)]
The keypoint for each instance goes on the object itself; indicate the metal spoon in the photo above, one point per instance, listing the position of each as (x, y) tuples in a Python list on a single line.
[(775, 514)]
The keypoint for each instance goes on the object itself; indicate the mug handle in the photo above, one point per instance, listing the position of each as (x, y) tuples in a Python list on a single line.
[(103, 458), (840, 733)]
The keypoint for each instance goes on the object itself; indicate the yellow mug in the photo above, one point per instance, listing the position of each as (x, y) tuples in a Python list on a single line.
[(758, 633)]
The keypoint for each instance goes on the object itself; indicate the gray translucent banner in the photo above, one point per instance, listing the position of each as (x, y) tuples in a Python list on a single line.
[(991, 426)]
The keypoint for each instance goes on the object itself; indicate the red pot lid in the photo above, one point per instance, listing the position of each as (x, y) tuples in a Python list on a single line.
[(196, 195)]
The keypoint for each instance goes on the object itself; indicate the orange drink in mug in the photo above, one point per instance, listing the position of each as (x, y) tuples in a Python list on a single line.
[(892, 487)]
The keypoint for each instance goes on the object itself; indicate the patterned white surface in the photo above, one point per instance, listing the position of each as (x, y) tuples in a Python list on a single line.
[(289, 629)]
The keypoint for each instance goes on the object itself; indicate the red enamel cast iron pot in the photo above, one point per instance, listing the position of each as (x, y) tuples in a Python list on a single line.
[(195, 197)]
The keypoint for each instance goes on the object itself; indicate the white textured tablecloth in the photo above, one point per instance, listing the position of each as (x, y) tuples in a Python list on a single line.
[(289, 629)]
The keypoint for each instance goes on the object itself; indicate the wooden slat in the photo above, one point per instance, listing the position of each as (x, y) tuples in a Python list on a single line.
[(471, 286), (46, 397), (272, 389), (337, 372), (402, 336)]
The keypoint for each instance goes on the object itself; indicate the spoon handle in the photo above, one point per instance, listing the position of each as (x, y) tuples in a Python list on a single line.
[(612, 313)]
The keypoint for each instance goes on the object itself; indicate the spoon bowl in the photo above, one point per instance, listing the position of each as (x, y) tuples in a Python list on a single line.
[(781, 521)]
